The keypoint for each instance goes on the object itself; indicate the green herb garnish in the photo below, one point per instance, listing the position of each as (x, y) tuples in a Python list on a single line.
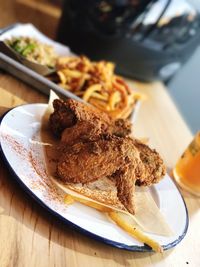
[(28, 49)]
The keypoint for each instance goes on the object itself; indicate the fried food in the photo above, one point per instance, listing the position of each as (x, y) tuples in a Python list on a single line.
[(98, 164), (154, 165), (121, 220), (108, 156), (94, 146), (96, 83), (84, 121)]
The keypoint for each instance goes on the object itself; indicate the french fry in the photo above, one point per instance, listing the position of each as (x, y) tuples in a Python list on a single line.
[(62, 77), (99, 96), (93, 88), (98, 103), (71, 199), (120, 219), (114, 99)]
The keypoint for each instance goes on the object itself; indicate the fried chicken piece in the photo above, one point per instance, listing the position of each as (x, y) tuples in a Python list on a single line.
[(71, 113), (76, 122), (81, 131), (154, 165), (87, 162), (108, 156), (94, 146), (125, 182)]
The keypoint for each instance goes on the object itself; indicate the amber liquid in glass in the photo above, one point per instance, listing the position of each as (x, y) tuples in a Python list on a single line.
[(187, 169)]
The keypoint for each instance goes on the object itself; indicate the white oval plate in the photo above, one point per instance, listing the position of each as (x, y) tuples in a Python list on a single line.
[(19, 136)]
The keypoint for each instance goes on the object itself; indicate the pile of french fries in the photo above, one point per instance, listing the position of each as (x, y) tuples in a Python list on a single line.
[(96, 83)]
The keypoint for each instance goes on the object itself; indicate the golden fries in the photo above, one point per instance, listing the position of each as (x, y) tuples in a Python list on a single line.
[(97, 84), (120, 219)]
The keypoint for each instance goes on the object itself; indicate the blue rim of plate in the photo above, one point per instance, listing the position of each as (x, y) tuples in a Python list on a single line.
[(73, 226)]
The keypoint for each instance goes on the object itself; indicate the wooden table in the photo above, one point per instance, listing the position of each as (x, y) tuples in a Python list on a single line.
[(30, 236)]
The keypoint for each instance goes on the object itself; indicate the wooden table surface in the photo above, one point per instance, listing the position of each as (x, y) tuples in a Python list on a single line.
[(30, 236)]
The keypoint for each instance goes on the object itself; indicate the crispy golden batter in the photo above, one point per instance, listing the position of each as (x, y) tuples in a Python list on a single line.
[(154, 165), (70, 113), (94, 146), (108, 156)]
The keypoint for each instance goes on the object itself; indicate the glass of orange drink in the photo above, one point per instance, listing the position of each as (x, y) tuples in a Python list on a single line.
[(187, 169)]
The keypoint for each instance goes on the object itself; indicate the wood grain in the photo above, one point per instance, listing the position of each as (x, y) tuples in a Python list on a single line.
[(44, 15), (7, 13), (30, 236)]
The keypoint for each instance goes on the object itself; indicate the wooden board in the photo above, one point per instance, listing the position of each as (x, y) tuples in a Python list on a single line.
[(44, 15), (30, 236)]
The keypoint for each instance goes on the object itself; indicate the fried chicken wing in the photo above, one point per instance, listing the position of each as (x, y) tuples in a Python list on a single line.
[(86, 162), (125, 182), (154, 165), (109, 156), (94, 146), (71, 113)]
